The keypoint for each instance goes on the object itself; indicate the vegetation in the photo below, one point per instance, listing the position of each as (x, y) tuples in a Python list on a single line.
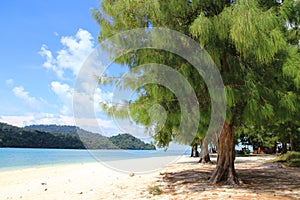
[(155, 190), (254, 43), (11, 136), (291, 159), (90, 140), (65, 137), (127, 141)]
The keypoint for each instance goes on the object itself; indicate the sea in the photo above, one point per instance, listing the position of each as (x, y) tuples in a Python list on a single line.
[(21, 158)]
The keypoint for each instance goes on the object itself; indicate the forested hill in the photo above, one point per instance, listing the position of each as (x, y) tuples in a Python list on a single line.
[(12, 136), (127, 141), (69, 137)]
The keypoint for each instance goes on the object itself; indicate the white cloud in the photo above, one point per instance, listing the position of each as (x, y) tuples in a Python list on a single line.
[(50, 62), (41, 118), (64, 91), (65, 94), (24, 95), (9, 82), (71, 57), (48, 118), (100, 97)]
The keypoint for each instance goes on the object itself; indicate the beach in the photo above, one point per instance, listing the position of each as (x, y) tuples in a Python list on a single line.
[(182, 179)]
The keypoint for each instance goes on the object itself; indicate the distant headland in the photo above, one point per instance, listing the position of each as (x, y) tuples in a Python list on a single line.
[(66, 137)]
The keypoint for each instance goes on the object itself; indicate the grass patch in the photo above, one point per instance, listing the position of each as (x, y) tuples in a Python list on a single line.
[(155, 190), (290, 159)]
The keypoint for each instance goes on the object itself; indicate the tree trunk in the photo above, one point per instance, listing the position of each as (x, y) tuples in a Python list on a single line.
[(204, 154), (225, 171), (284, 148), (291, 143), (194, 152)]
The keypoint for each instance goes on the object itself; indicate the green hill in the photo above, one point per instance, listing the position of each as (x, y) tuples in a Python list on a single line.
[(11, 136), (127, 141), (90, 140), (69, 137)]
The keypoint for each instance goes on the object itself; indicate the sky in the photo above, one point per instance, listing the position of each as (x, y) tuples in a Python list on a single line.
[(43, 46)]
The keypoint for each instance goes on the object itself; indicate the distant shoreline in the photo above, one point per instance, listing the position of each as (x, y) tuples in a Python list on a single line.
[(22, 158)]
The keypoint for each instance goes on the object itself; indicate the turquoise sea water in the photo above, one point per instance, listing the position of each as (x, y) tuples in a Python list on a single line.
[(19, 158)]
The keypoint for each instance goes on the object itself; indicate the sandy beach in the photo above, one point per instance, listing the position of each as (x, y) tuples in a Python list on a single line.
[(184, 179)]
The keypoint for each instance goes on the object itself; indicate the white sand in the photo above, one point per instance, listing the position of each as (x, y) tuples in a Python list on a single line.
[(185, 179), (77, 181)]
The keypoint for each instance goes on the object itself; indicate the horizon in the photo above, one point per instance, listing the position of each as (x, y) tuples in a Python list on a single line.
[(38, 86)]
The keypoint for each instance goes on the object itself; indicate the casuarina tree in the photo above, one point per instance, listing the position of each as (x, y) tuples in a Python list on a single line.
[(252, 42)]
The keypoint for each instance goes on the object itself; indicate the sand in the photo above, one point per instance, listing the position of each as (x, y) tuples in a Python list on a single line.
[(184, 179)]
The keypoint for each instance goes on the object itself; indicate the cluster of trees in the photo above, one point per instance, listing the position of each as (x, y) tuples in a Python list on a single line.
[(276, 139), (255, 45), (65, 137)]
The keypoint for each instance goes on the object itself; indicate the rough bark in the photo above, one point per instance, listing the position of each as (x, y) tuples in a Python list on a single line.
[(204, 154), (225, 171)]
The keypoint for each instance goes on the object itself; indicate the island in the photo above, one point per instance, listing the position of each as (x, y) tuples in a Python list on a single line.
[(66, 137)]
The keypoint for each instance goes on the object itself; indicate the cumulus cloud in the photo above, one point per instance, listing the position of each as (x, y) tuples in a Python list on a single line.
[(24, 95), (66, 64), (65, 94), (50, 62), (71, 57)]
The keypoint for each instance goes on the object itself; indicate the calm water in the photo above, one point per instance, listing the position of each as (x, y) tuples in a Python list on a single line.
[(14, 158)]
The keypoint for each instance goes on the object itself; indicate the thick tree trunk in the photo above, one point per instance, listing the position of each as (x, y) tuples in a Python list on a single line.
[(204, 154), (225, 171)]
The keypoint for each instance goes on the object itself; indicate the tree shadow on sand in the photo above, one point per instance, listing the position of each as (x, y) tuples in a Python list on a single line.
[(262, 179)]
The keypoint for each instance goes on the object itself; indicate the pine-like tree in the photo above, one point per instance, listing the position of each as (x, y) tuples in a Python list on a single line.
[(251, 41)]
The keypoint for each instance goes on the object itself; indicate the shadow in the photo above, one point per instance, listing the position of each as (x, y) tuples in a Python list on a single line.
[(260, 179)]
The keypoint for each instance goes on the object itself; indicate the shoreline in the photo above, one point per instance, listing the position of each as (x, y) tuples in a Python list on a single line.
[(91, 181), (185, 178)]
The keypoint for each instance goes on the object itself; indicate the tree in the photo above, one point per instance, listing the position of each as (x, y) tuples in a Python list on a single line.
[(247, 39)]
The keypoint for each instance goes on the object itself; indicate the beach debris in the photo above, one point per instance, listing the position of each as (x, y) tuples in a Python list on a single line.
[(43, 183), (46, 189), (131, 174), (80, 193)]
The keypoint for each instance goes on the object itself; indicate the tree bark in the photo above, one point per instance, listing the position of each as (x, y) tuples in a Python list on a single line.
[(194, 152), (204, 154), (284, 148), (291, 142), (225, 171)]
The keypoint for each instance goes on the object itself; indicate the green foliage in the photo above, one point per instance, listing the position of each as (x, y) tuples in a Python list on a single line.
[(291, 159), (253, 43), (127, 141), (155, 190)]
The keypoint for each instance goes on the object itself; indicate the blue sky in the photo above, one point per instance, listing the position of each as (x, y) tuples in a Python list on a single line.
[(43, 45)]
